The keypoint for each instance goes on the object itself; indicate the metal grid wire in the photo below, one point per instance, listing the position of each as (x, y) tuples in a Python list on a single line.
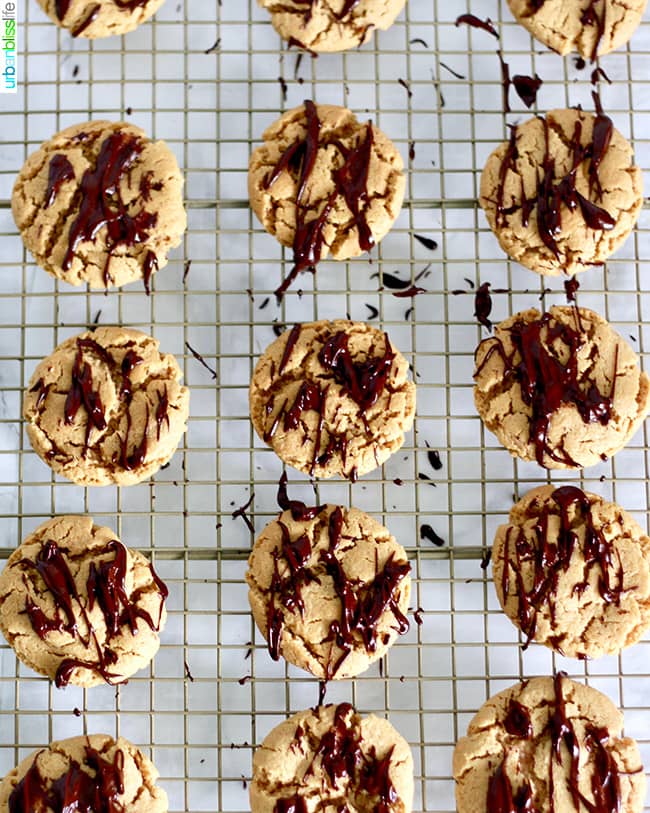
[(211, 109)]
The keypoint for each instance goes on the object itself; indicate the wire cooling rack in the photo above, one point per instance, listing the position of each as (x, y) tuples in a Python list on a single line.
[(208, 78)]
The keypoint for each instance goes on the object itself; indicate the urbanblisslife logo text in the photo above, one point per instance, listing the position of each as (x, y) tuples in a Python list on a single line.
[(8, 50)]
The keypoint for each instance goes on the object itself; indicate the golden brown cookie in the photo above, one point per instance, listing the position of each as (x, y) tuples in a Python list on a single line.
[(100, 203), (562, 388), (330, 758), (548, 744), (332, 398), (590, 27), (106, 407), (78, 606), (330, 25), (325, 184), (94, 772), (562, 194), (329, 589), (101, 18), (572, 571)]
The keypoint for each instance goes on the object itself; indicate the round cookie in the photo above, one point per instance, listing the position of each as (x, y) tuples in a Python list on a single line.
[(331, 25), (329, 589), (106, 407), (590, 27), (102, 18), (100, 203), (572, 571), (548, 744), (325, 184), (94, 772), (332, 398), (78, 606), (562, 194), (562, 388), (329, 758)]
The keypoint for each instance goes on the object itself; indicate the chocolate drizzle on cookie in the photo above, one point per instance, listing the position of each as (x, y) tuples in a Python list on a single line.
[(293, 804), (82, 392), (552, 557), (101, 204), (547, 383), (553, 192), (106, 588), (340, 757), (300, 511), (363, 605), (60, 171), (363, 381), (605, 774), (85, 22), (350, 181), (76, 789)]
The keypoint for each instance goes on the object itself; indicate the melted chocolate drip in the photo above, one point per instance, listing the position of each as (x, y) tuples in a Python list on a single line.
[(483, 305), (546, 382), (427, 532), (571, 288), (363, 381), (60, 171), (501, 797), (300, 511), (294, 804), (517, 722), (342, 758), (475, 22), (106, 586), (427, 242), (61, 7), (90, 18), (414, 290), (289, 346), (392, 282), (82, 392), (149, 266), (101, 205), (527, 88), (550, 561), (350, 181), (133, 461), (554, 192), (75, 790), (162, 411)]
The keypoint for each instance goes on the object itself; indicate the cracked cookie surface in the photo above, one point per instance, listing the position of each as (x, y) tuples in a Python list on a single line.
[(332, 398), (101, 18), (590, 27), (328, 759), (325, 184), (331, 25), (562, 194), (78, 606), (330, 594), (548, 744), (106, 407), (100, 203), (74, 774), (562, 388), (572, 571)]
